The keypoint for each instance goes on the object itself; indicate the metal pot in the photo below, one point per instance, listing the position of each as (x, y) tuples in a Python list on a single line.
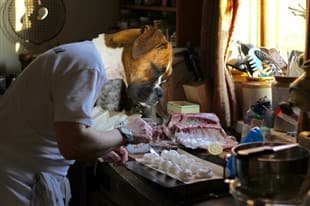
[(283, 175)]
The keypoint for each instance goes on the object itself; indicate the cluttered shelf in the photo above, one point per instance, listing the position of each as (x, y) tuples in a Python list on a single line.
[(179, 20)]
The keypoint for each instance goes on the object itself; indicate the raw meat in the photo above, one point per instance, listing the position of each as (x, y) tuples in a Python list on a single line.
[(194, 130)]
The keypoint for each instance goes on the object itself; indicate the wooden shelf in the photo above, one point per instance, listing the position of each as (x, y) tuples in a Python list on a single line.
[(149, 8), (183, 19)]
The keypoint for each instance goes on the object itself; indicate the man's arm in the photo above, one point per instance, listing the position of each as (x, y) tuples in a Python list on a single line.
[(79, 142)]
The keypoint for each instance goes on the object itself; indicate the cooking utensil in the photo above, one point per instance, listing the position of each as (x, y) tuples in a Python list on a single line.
[(245, 48), (282, 175), (265, 149), (253, 62), (277, 58), (238, 63)]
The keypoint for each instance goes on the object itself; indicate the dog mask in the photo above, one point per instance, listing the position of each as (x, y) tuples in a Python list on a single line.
[(147, 60)]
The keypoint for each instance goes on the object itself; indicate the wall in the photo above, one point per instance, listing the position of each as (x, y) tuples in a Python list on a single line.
[(84, 19)]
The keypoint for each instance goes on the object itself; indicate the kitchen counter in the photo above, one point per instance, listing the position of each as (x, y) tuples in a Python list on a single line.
[(118, 185)]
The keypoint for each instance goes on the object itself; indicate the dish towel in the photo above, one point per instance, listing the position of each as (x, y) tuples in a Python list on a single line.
[(50, 190)]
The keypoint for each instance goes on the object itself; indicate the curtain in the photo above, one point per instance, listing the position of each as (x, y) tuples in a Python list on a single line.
[(307, 42), (218, 18)]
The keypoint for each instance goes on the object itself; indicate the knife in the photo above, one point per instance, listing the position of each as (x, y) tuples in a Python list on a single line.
[(265, 149)]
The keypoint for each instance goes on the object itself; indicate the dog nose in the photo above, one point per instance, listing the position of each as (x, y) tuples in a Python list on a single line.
[(159, 92)]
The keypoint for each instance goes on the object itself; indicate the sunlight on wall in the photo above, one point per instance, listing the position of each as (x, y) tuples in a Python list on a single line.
[(19, 13), (17, 47)]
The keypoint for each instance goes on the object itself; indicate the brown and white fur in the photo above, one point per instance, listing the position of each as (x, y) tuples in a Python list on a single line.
[(142, 58)]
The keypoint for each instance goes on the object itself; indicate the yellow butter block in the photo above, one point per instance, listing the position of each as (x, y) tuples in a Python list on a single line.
[(182, 107)]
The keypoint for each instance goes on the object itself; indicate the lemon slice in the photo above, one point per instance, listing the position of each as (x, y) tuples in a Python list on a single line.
[(215, 148)]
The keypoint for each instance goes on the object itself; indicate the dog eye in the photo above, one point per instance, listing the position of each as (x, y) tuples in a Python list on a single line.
[(162, 46), (164, 81)]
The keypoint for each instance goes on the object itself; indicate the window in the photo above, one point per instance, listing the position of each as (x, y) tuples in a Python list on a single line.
[(284, 29)]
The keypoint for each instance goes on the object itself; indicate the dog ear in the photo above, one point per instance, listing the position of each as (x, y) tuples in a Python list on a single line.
[(149, 39)]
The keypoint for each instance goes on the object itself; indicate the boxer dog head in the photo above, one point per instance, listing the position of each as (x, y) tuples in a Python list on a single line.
[(147, 62)]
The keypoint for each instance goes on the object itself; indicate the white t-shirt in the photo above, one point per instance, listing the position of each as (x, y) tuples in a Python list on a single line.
[(62, 84)]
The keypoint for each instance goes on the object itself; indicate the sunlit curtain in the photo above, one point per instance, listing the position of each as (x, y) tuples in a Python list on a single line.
[(307, 42), (217, 27)]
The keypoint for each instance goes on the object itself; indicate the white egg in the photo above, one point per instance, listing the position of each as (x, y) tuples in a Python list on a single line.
[(180, 158), (204, 172), (165, 165), (185, 174), (164, 154), (186, 162), (182, 161), (167, 155), (157, 161), (189, 162), (173, 152), (195, 166), (148, 158), (183, 156), (174, 155), (174, 169)]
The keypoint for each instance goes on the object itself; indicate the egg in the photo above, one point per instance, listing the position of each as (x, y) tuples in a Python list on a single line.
[(164, 154), (185, 174), (173, 156), (157, 161), (186, 162), (204, 172), (174, 169), (195, 166), (165, 165), (181, 158), (148, 158)]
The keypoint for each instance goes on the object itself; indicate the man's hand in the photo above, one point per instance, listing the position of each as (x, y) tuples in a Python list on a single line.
[(118, 156), (142, 132)]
